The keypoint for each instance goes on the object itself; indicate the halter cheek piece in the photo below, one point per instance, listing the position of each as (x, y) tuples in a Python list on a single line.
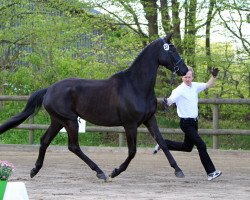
[(166, 48)]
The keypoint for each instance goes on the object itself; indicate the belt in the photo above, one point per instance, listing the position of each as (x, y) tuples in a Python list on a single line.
[(189, 118)]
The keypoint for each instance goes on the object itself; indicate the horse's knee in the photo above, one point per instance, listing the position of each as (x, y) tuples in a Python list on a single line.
[(73, 148), (43, 147), (44, 143), (132, 153)]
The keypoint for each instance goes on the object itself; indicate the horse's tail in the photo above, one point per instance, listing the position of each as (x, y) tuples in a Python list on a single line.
[(34, 103)]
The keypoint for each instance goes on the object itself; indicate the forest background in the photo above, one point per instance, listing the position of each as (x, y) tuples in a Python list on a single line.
[(44, 41)]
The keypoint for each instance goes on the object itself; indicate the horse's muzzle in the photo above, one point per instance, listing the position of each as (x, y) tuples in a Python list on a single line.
[(182, 68)]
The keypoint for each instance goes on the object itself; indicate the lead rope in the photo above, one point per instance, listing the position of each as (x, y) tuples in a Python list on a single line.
[(166, 107)]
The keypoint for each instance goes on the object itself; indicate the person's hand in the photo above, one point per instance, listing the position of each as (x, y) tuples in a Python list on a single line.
[(214, 72)]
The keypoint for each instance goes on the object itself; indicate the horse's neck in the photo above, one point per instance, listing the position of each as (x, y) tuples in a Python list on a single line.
[(143, 71)]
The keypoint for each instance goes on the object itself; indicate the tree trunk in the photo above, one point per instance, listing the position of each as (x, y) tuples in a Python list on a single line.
[(208, 27), (165, 17), (190, 32), (176, 25), (150, 8)]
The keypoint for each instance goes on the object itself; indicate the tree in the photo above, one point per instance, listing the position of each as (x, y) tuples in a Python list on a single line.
[(45, 41), (234, 14), (158, 20), (50, 40)]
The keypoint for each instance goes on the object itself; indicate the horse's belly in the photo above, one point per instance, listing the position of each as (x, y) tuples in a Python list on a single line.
[(103, 121), (102, 118)]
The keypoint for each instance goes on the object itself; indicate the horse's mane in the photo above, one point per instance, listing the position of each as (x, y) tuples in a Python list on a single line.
[(145, 49), (137, 59)]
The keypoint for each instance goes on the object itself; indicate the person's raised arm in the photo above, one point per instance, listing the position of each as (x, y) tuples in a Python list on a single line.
[(211, 81)]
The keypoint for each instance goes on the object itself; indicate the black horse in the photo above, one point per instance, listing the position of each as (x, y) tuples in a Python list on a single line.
[(125, 99)]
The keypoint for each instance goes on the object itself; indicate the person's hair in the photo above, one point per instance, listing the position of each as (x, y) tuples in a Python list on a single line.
[(191, 69)]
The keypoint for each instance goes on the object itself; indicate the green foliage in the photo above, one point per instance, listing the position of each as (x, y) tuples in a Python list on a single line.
[(56, 43)]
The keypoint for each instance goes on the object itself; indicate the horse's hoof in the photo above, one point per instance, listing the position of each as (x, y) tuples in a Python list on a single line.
[(102, 176), (33, 172), (114, 173), (179, 174)]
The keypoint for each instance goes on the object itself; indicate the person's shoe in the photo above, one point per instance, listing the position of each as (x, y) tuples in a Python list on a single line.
[(156, 149), (214, 175)]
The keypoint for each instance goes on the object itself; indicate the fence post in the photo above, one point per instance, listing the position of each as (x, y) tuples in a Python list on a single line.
[(3, 93), (216, 124), (31, 131), (121, 139)]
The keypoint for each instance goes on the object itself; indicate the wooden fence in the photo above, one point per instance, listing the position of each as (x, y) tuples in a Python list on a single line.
[(215, 131)]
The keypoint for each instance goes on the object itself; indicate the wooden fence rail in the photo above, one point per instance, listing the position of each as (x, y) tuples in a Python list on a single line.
[(215, 131), (201, 101)]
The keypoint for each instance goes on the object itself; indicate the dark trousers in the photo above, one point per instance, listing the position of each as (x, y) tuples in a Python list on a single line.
[(190, 127)]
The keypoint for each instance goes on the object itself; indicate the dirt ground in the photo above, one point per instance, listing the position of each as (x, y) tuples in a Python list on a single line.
[(149, 177)]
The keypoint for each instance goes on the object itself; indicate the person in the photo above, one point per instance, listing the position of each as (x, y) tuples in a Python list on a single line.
[(185, 96)]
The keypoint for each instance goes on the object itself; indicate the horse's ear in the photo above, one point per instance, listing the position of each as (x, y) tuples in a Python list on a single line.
[(168, 37)]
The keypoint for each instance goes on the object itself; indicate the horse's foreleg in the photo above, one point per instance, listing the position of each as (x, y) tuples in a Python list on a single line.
[(74, 147), (131, 134), (45, 141), (154, 130)]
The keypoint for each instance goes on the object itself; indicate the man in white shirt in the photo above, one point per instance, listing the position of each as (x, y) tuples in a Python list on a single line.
[(185, 96)]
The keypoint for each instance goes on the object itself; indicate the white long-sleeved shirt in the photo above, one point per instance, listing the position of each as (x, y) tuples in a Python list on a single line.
[(186, 99)]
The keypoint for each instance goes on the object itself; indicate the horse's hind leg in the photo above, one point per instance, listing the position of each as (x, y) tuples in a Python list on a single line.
[(45, 141), (131, 134), (73, 145)]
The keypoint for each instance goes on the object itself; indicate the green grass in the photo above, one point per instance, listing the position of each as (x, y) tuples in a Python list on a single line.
[(22, 137)]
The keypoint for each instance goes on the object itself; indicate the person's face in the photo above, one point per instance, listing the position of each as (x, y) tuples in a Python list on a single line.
[(188, 78)]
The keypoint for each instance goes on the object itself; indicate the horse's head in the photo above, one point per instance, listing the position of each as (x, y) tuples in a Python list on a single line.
[(170, 58)]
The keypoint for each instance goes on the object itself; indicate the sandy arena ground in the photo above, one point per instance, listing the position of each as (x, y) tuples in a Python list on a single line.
[(148, 177)]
